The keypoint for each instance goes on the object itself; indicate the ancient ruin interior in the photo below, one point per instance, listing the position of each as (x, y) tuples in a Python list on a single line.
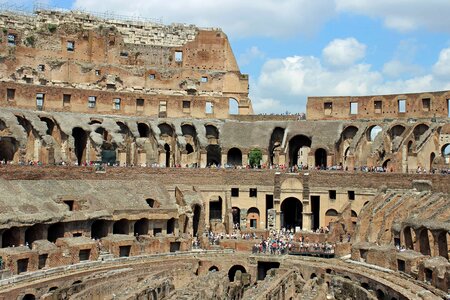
[(133, 167)]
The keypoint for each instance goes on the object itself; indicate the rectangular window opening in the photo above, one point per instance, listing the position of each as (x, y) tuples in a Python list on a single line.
[(10, 94), (42, 261), (186, 104), (426, 104), (328, 108), (84, 254), (11, 39), (22, 265), (69, 204), (353, 108), (92, 101), (332, 194), (401, 265), (253, 192), (378, 106), (401, 106), (234, 192), (70, 46), (66, 100), (116, 103), (163, 109), (152, 76), (98, 72), (124, 251), (40, 101), (209, 107), (204, 79), (178, 56), (41, 68), (351, 195)]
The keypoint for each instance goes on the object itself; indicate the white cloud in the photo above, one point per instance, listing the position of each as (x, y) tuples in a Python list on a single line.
[(291, 80), (403, 15), (237, 18), (343, 52), (396, 68), (249, 55)]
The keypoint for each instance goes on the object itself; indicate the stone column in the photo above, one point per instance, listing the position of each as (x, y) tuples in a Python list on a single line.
[(307, 221)]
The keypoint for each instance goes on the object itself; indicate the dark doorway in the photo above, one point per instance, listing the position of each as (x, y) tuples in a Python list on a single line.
[(196, 219), (34, 233), (11, 237), (315, 209), (121, 227), (291, 210), (295, 145), (144, 130), (7, 149), (264, 266), (408, 238), (175, 246), (80, 137), (320, 157), (233, 270), (424, 242), (141, 227), (124, 251), (234, 157), (215, 209), (29, 297), (189, 148), (99, 229), (236, 213), (269, 205), (22, 265), (55, 231), (167, 149), (171, 226), (213, 155)]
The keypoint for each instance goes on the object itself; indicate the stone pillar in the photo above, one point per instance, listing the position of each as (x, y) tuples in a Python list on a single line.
[(282, 160), (203, 160), (307, 221), (243, 217), (404, 159), (224, 159), (245, 159)]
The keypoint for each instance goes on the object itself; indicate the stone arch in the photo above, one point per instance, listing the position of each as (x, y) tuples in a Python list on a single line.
[(80, 136), (144, 130), (196, 218), (445, 151), (424, 242), (8, 148), (11, 237), (188, 130), (233, 106), (292, 213), (212, 133), (386, 164), (55, 231), (419, 130), (213, 269), (213, 155), (432, 157), (141, 227), (170, 229), (396, 131), (442, 244), (291, 184), (49, 123), (166, 130), (331, 215), (232, 271), (299, 147), (152, 203), (99, 229), (410, 147), (124, 129), (380, 295), (189, 148), (234, 157), (121, 227), (372, 132), (34, 233), (349, 132), (276, 139), (29, 297), (253, 217), (320, 158)]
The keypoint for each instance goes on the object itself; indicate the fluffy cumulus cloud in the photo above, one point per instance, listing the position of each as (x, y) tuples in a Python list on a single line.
[(403, 15), (291, 80), (238, 18), (343, 52), (251, 54)]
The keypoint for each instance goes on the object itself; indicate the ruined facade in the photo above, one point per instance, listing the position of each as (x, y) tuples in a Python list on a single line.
[(152, 103)]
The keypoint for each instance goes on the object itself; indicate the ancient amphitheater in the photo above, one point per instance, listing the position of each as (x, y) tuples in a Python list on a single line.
[(192, 182)]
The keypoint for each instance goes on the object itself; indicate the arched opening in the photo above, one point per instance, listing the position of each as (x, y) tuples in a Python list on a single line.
[(144, 130), (11, 237), (410, 147), (409, 244), (432, 157), (419, 130), (236, 213), (152, 203), (276, 139), (291, 213), (213, 155), (373, 132), (215, 209), (7, 149), (320, 157), (196, 219), (442, 244), (446, 153), (396, 131), (171, 226), (299, 147), (354, 217), (141, 227), (349, 133), (386, 164), (233, 106), (424, 242), (253, 217), (99, 229), (189, 149), (29, 297), (234, 157), (167, 150), (165, 130), (233, 270), (213, 269), (380, 294), (80, 137), (123, 128), (34, 233), (212, 133), (121, 227), (55, 231), (50, 125), (331, 216), (313, 275)]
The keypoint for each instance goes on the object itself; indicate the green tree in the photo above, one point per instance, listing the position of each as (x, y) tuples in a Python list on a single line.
[(254, 157)]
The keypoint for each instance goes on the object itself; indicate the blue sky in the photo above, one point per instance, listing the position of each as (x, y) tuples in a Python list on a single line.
[(297, 48)]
